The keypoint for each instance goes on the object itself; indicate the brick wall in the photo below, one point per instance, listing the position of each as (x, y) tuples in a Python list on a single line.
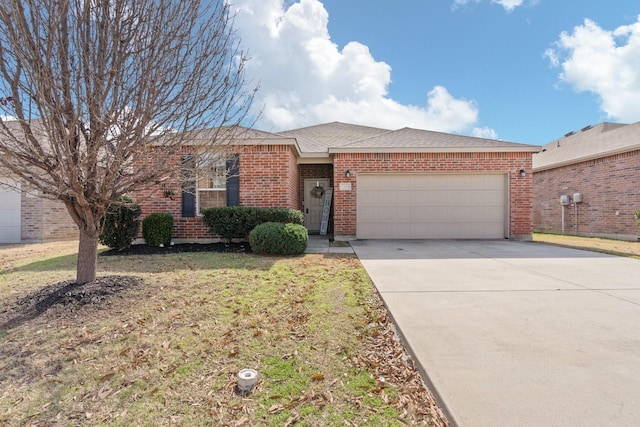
[(31, 218), (57, 223), (610, 187), (268, 178), (45, 220), (520, 190)]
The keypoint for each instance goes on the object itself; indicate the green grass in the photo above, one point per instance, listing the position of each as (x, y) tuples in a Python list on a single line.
[(168, 351)]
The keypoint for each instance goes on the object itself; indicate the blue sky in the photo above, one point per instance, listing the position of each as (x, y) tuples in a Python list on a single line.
[(517, 70)]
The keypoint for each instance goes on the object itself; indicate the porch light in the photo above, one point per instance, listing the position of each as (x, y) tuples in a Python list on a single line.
[(347, 173), (523, 173)]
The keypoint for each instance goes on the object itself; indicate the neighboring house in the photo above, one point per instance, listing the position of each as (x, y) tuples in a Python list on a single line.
[(25, 218), (404, 184), (597, 173)]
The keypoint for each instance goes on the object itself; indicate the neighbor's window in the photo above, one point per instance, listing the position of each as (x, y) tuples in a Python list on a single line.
[(212, 182)]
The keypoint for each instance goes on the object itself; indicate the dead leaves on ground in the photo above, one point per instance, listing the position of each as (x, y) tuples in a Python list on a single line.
[(179, 352)]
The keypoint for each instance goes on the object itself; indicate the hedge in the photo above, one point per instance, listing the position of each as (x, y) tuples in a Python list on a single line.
[(230, 222)]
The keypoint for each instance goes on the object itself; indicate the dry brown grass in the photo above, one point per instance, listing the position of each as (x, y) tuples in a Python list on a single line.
[(14, 255), (167, 350), (610, 246)]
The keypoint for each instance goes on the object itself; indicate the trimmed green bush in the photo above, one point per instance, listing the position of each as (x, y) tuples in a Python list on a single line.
[(277, 238), (157, 229), (283, 215), (120, 224), (237, 221), (230, 221), (637, 215)]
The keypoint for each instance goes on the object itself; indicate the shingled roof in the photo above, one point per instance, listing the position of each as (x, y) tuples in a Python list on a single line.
[(339, 137), (412, 140), (318, 138), (591, 142)]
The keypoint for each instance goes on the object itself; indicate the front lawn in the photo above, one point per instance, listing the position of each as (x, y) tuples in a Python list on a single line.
[(166, 348)]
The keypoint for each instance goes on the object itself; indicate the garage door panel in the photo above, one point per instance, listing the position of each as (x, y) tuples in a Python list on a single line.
[(401, 198), (10, 208), (431, 206)]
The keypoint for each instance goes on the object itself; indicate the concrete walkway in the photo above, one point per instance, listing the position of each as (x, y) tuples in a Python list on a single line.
[(516, 333), (321, 245)]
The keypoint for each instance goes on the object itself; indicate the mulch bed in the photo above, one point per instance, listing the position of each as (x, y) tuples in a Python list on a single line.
[(142, 249), (67, 297)]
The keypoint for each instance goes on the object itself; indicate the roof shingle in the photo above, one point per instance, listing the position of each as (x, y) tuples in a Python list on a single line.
[(342, 137), (601, 140)]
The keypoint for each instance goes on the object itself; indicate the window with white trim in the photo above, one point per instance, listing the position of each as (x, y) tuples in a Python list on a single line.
[(211, 185)]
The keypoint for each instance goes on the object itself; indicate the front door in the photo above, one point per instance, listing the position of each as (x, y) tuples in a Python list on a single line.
[(313, 204)]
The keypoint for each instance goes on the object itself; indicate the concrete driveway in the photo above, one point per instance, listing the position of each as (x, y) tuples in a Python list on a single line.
[(516, 333)]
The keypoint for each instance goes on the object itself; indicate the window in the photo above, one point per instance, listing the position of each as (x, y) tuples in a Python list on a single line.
[(211, 183), (217, 183)]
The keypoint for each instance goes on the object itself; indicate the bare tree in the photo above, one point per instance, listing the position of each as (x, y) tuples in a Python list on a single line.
[(91, 90)]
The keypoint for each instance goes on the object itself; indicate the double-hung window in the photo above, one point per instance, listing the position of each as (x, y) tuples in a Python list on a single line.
[(211, 188), (208, 181)]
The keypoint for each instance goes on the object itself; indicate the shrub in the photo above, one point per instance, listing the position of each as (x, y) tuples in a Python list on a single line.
[(157, 229), (120, 224), (237, 221), (283, 215), (637, 215), (277, 238), (230, 221)]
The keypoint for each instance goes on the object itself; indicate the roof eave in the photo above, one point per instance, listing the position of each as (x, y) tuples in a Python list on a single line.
[(315, 159), (518, 149), (266, 141), (586, 158)]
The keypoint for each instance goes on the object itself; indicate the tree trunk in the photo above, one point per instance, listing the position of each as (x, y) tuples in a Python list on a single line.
[(87, 257)]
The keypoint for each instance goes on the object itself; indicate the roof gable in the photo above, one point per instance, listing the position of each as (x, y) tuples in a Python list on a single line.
[(319, 138)]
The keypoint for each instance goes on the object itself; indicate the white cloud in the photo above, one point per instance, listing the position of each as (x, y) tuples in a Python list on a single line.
[(484, 132), (606, 63), (508, 5), (307, 79)]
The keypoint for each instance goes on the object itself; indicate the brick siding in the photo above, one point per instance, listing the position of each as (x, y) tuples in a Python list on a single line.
[(610, 187), (268, 178), (520, 203), (45, 220)]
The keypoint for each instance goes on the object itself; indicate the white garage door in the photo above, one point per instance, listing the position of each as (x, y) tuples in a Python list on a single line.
[(422, 206), (9, 213)]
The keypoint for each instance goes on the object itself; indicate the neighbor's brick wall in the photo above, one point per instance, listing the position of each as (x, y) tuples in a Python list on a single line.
[(45, 220), (57, 223), (520, 190), (609, 185), (31, 218), (268, 178)]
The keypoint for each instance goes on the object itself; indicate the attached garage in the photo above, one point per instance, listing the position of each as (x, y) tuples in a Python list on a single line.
[(10, 200), (432, 206)]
